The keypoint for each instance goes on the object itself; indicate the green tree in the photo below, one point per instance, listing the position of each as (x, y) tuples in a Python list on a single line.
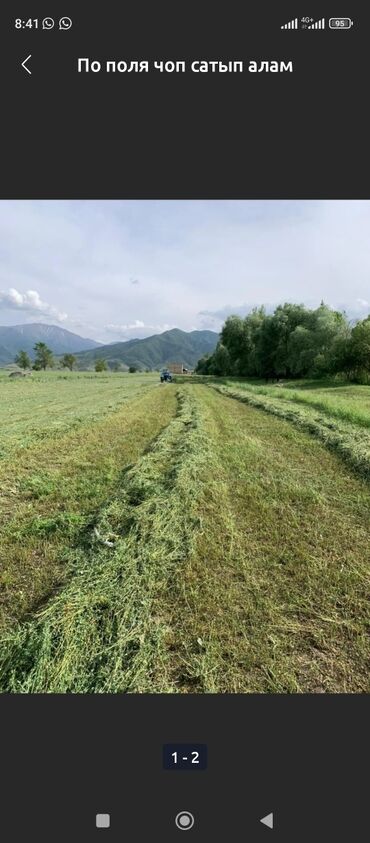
[(342, 360), (329, 327), (253, 325), (294, 341), (101, 365), (202, 365), (301, 351), (287, 317), (231, 338), (68, 361), (44, 356), (267, 349), (22, 359), (360, 348), (220, 364), (132, 369)]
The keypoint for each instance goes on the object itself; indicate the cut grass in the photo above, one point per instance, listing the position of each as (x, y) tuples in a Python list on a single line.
[(275, 595), (238, 561), (47, 404), (51, 491), (346, 402), (351, 442), (104, 631)]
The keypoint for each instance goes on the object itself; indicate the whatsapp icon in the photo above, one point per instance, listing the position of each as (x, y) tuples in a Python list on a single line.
[(65, 23)]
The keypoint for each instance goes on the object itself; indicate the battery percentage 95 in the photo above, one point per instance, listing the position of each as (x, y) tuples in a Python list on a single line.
[(340, 23)]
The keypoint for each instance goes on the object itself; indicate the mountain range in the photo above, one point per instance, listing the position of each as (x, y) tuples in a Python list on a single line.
[(174, 346), (16, 337)]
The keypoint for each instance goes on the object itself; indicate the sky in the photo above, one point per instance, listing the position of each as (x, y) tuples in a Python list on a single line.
[(115, 270)]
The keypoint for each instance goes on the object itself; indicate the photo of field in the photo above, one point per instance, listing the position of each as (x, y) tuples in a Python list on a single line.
[(195, 537), (184, 508)]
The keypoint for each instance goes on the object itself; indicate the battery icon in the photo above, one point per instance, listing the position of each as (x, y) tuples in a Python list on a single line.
[(340, 23)]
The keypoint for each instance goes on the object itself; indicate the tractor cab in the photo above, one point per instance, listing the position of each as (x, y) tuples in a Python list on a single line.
[(165, 375)]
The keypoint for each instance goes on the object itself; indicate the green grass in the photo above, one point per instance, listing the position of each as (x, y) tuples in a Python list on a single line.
[(351, 441), (51, 488), (275, 595), (105, 630), (347, 402), (46, 404), (228, 552)]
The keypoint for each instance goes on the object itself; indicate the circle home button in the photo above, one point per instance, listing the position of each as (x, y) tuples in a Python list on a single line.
[(184, 820)]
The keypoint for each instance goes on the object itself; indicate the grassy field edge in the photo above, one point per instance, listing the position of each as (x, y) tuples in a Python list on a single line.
[(345, 440)]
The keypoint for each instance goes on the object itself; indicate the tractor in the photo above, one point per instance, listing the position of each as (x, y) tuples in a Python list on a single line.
[(165, 375)]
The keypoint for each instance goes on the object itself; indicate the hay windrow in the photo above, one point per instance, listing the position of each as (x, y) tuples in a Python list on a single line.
[(350, 442), (51, 490), (100, 632), (231, 555)]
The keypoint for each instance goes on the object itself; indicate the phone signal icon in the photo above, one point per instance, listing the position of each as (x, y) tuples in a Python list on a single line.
[(293, 24), (319, 24)]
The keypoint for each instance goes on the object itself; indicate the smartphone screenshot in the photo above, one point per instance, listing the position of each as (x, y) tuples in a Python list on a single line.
[(184, 422)]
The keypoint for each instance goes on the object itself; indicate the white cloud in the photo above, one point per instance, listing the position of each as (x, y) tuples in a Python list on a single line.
[(119, 328), (30, 302), (136, 330), (178, 264)]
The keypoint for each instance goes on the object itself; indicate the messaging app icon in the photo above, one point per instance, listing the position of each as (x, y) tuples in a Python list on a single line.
[(65, 23), (48, 23)]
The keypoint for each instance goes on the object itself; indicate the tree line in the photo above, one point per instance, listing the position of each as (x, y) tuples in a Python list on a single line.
[(293, 342), (44, 359)]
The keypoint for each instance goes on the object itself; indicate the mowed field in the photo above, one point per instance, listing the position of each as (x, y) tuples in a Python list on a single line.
[(200, 536), (347, 402)]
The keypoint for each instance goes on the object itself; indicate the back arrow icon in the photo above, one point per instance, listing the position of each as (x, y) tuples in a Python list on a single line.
[(268, 820), (24, 63)]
